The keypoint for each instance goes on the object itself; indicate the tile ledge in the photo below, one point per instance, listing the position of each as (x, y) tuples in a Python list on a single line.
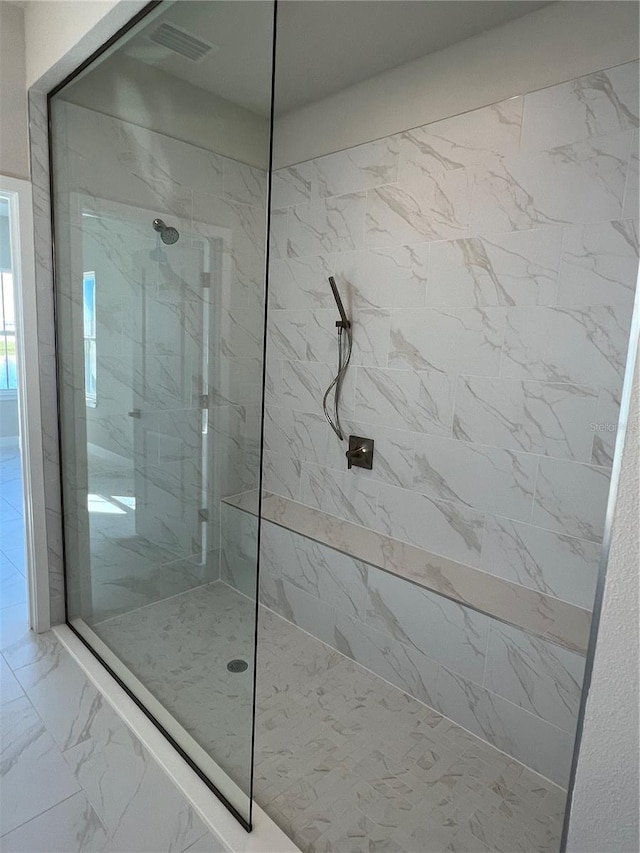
[(551, 618)]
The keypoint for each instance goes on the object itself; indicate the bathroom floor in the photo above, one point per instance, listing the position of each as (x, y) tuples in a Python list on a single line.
[(344, 761)]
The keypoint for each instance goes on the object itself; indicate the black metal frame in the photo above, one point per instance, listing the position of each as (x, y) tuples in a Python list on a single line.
[(136, 19)]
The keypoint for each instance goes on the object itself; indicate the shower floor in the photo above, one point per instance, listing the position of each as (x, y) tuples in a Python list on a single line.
[(344, 761)]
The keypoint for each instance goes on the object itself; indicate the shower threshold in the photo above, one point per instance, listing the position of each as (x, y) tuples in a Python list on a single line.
[(344, 761)]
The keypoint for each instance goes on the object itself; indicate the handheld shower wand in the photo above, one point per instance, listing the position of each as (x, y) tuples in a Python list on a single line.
[(343, 317), (344, 355)]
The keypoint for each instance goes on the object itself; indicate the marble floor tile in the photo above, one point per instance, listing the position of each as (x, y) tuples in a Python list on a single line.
[(344, 761), (72, 826), (125, 787), (9, 685), (71, 708), (33, 774), (374, 769)]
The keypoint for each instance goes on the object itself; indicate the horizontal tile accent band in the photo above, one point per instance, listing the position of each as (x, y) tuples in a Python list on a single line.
[(542, 615)]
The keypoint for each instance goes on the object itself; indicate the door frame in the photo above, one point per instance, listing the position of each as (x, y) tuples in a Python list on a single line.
[(19, 194)]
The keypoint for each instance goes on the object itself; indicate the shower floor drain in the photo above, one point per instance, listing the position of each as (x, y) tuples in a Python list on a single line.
[(237, 665)]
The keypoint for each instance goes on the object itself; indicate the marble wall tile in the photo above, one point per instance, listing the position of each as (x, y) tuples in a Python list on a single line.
[(360, 168), (580, 346), (433, 208), (141, 167), (239, 549), (339, 493), (292, 185), (519, 268), (421, 401), (332, 577), (442, 527), (485, 478), (230, 466), (281, 474), (538, 744), (571, 498), (301, 283), (136, 166), (303, 384), (631, 205), (583, 182), (287, 334), (561, 566), (278, 229), (479, 136), (394, 452), (240, 228), (241, 333), (443, 630), (242, 183), (185, 164), (389, 277), (297, 606), (600, 265), (605, 427), (531, 610), (457, 340), (401, 664), (370, 329), (302, 435), (593, 105), (537, 417), (38, 132), (331, 225), (536, 675)]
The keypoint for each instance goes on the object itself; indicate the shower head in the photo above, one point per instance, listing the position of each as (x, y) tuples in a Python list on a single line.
[(168, 235), (344, 322)]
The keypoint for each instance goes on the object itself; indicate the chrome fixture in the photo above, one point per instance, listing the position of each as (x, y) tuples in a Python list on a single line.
[(167, 234), (344, 355)]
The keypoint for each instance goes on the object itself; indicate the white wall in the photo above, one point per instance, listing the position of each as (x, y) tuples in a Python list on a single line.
[(54, 28), (559, 42), (604, 815), (14, 149)]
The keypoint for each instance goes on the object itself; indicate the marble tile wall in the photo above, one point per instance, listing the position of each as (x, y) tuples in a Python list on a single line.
[(516, 690), (489, 264), (39, 149), (153, 353)]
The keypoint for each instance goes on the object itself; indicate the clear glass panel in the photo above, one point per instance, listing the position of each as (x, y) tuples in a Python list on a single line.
[(160, 156)]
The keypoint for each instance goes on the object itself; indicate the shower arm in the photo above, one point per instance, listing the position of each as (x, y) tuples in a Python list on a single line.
[(344, 330)]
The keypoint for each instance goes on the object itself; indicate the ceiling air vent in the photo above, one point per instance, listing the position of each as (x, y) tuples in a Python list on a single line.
[(180, 41)]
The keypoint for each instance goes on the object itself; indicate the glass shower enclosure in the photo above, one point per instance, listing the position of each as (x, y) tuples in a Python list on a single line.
[(424, 625), (160, 159)]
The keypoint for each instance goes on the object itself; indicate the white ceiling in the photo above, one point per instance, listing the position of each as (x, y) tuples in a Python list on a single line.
[(326, 45), (323, 46)]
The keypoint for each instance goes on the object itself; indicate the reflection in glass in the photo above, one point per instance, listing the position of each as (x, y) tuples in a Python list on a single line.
[(160, 192)]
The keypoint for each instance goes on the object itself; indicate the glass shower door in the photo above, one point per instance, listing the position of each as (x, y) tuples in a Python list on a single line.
[(160, 198)]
